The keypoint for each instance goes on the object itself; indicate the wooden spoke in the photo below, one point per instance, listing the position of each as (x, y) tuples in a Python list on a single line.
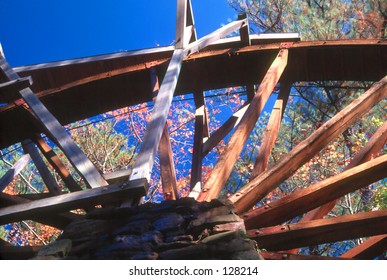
[(14, 171), (369, 249), (222, 169), (321, 231), (301, 201), (254, 191)]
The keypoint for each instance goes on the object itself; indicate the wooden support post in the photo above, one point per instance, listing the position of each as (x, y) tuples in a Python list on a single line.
[(373, 146), (144, 161), (201, 130), (57, 164), (66, 202), (222, 131), (57, 133), (222, 169), (254, 191), (321, 231), (369, 249), (14, 171), (271, 133), (48, 179), (185, 24), (59, 221), (301, 201), (244, 31)]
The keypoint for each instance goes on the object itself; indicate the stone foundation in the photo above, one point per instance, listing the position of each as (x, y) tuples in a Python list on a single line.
[(181, 229)]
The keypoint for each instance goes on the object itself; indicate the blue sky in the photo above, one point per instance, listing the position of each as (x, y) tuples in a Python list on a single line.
[(34, 31)]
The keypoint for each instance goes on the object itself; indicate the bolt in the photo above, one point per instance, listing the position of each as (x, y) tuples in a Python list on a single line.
[(266, 206), (257, 232), (283, 228)]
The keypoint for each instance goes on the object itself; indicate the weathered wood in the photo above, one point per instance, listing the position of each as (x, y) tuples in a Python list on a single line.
[(222, 131), (223, 167), (9, 90), (59, 221), (244, 31), (369, 249), (255, 190), (48, 179), (321, 231), (214, 36), (287, 256), (144, 161), (66, 202), (57, 133), (270, 135), (14, 171), (185, 25), (57, 164), (373, 146), (167, 165), (301, 201), (118, 176)]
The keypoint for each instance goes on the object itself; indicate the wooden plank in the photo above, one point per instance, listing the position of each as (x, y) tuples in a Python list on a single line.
[(223, 167), (270, 135), (369, 249), (167, 165), (57, 133), (118, 176), (222, 131), (301, 201), (66, 202), (255, 190), (185, 24), (144, 161), (214, 36), (321, 231), (9, 90), (287, 256), (48, 179), (57, 164), (14, 171), (59, 221), (244, 31)]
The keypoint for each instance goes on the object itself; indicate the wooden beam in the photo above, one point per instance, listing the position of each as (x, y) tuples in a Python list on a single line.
[(270, 135), (57, 164), (14, 171), (9, 90), (167, 165), (287, 256), (66, 202), (244, 31), (369, 249), (301, 201), (373, 146), (255, 190), (144, 161), (185, 24), (59, 221), (320, 231), (214, 36), (57, 133), (118, 176), (48, 179), (222, 131), (223, 167)]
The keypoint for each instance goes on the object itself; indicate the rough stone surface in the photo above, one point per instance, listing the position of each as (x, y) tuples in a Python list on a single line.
[(180, 229)]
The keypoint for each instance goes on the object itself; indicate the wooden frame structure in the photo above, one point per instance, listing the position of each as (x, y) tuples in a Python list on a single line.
[(36, 103)]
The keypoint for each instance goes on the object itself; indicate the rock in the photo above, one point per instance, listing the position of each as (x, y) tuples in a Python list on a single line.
[(145, 256), (229, 227), (193, 252), (170, 221), (59, 248), (206, 222), (247, 255)]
